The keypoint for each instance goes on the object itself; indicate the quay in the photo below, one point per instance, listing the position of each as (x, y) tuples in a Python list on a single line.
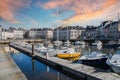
[(77, 70), (7, 41), (8, 68)]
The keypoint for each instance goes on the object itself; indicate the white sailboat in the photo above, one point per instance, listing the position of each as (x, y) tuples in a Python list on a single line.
[(57, 42), (67, 42)]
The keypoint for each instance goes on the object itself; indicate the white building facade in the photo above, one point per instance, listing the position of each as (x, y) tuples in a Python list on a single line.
[(68, 33), (18, 34), (43, 33)]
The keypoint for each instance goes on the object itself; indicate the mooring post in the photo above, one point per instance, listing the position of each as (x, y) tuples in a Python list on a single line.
[(32, 49), (47, 56)]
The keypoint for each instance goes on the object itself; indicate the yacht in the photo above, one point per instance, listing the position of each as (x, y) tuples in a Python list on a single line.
[(114, 63)]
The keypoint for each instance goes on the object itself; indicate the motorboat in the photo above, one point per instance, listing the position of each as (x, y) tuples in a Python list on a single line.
[(95, 59), (40, 48), (114, 63), (68, 53)]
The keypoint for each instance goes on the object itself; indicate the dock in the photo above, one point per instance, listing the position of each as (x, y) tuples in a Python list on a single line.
[(7, 41), (8, 69), (77, 70)]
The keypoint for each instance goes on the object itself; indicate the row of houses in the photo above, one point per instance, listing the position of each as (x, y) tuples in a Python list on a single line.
[(107, 29), (43, 33), (68, 33), (11, 33), (64, 33)]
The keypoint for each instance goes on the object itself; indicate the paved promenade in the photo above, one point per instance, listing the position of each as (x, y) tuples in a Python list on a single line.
[(8, 69)]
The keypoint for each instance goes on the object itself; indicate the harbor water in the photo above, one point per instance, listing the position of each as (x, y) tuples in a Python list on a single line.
[(35, 70)]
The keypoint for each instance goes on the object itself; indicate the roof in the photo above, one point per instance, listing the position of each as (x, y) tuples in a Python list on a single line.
[(70, 28)]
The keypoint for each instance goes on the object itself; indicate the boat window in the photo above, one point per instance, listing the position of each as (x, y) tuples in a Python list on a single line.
[(65, 52)]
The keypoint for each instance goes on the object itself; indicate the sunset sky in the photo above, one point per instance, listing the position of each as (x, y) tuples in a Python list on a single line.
[(52, 13)]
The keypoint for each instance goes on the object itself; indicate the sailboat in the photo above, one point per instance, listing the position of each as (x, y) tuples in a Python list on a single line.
[(57, 43), (69, 52), (67, 42)]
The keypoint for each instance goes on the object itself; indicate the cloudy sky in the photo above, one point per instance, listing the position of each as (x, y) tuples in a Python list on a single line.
[(51, 13)]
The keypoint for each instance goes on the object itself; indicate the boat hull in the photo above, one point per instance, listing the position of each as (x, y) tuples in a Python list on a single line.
[(99, 63), (116, 69), (68, 55)]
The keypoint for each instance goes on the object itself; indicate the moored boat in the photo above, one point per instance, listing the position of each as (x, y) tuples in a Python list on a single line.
[(114, 63), (95, 59), (69, 53), (67, 43), (57, 43), (40, 48)]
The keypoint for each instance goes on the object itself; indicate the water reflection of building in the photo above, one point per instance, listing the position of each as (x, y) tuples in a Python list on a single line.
[(10, 49)]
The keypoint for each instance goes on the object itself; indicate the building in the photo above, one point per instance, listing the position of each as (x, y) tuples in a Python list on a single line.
[(91, 32), (7, 34), (18, 34), (109, 29), (42, 33), (114, 30), (68, 33), (103, 29)]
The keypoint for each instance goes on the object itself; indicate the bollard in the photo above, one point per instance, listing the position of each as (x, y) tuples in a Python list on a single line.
[(32, 49), (47, 56)]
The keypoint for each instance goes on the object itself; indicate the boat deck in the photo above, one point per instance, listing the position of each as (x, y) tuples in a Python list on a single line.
[(79, 71)]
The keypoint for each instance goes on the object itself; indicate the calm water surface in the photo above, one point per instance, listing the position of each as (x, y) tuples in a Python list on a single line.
[(35, 70)]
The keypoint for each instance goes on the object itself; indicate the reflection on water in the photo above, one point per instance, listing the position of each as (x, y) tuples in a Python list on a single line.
[(35, 70)]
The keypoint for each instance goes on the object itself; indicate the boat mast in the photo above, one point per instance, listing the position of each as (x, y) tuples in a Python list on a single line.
[(118, 26), (67, 36), (118, 17), (57, 30)]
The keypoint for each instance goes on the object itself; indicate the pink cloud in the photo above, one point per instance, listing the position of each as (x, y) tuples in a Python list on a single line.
[(84, 9), (9, 8)]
